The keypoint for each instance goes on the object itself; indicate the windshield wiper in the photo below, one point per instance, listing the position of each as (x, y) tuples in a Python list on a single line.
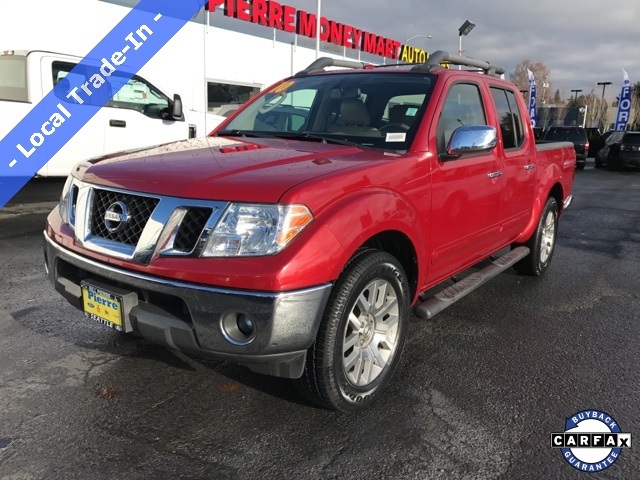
[(243, 133), (315, 138)]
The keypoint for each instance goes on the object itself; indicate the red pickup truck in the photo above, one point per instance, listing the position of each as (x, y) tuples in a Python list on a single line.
[(297, 238)]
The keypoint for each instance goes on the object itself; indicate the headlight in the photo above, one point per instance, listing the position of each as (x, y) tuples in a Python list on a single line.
[(68, 199), (63, 206), (253, 230)]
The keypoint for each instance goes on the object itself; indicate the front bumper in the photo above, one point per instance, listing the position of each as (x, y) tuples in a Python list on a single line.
[(628, 160), (189, 317)]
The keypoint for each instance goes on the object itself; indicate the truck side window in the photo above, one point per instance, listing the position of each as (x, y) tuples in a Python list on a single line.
[(517, 118), (137, 94), (509, 117), (63, 76), (463, 106)]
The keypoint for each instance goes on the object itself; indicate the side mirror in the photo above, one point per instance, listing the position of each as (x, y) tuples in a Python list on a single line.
[(176, 108), (472, 139)]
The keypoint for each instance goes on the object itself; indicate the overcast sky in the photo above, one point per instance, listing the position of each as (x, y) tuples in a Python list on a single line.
[(581, 41)]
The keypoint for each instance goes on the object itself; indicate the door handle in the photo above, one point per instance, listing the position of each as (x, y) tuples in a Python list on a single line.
[(117, 123), (531, 166), (494, 174)]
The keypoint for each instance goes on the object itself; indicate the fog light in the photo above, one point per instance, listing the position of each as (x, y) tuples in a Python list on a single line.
[(245, 325), (238, 327)]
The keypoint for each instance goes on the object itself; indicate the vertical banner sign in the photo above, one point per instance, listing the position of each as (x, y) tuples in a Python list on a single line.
[(532, 99), (91, 84), (624, 104)]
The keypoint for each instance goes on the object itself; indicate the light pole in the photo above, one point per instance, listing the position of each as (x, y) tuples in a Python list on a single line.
[(576, 100), (318, 29), (406, 42), (545, 85), (577, 91), (464, 30), (602, 108), (604, 85)]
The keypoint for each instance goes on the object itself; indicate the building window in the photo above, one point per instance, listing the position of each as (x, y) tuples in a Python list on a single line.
[(219, 94)]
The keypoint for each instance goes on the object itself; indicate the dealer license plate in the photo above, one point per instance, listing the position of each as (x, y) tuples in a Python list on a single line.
[(103, 306)]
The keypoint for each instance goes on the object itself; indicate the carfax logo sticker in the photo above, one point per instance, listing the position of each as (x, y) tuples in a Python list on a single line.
[(592, 441), (104, 71)]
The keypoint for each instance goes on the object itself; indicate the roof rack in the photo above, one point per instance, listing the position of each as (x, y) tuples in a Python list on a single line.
[(321, 63), (436, 58)]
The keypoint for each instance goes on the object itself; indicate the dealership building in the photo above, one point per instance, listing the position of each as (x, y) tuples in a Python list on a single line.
[(227, 53)]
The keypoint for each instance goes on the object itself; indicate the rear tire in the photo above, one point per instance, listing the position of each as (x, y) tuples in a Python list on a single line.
[(361, 336), (542, 243)]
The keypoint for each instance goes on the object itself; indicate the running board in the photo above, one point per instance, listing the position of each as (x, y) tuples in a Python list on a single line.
[(458, 290)]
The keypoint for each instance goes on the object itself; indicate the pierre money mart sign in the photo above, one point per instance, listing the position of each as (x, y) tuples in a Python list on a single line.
[(283, 17)]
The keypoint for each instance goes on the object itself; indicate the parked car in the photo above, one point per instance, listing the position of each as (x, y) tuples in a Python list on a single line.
[(298, 236), (538, 133), (596, 141), (621, 150), (575, 135)]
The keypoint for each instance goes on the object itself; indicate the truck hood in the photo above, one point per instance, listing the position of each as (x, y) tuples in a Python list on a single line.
[(216, 168)]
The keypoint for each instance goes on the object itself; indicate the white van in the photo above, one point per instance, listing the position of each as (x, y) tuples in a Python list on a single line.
[(139, 115)]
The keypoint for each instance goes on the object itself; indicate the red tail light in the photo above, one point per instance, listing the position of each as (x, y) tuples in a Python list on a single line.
[(586, 146)]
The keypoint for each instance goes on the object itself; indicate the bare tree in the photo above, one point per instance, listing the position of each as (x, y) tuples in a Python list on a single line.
[(560, 108), (520, 77), (543, 116), (634, 114), (592, 102)]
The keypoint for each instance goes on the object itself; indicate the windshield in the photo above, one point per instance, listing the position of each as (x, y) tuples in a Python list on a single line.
[(371, 110), (575, 135), (13, 78)]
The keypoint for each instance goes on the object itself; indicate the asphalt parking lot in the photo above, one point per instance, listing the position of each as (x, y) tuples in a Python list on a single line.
[(477, 394)]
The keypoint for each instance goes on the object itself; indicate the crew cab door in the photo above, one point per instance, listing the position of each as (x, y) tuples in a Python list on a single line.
[(138, 116), (518, 152), (465, 220)]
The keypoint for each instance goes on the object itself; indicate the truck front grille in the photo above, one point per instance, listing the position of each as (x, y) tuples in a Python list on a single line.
[(190, 229), (138, 211), (140, 227)]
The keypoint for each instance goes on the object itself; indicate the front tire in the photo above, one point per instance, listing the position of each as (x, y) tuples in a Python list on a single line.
[(361, 336), (542, 243)]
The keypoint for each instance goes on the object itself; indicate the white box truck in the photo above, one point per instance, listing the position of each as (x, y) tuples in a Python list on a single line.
[(137, 116)]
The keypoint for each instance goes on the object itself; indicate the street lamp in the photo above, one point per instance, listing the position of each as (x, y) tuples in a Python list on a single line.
[(577, 91), (318, 29), (464, 29), (604, 85), (545, 85), (406, 42), (602, 108)]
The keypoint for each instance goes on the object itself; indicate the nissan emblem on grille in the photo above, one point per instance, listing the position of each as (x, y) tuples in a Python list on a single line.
[(116, 217)]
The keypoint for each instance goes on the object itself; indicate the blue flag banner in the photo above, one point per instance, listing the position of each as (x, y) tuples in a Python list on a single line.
[(532, 99), (63, 112), (624, 104)]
